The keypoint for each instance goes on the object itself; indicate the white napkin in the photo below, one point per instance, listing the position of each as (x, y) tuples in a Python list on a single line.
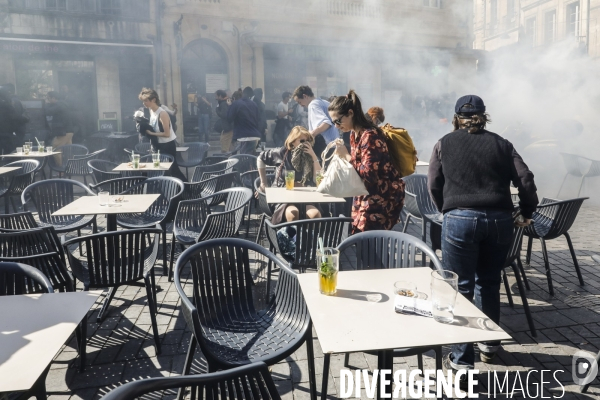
[(413, 306)]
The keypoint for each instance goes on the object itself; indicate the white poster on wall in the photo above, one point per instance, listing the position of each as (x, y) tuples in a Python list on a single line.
[(216, 82)]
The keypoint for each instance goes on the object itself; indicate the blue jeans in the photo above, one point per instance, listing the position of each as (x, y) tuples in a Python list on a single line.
[(474, 245), (203, 126)]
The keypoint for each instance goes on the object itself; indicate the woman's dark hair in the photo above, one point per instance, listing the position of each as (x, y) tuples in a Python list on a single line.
[(472, 123), (221, 93), (343, 104)]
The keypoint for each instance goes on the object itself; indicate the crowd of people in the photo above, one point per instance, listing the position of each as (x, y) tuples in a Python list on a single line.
[(470, 173)]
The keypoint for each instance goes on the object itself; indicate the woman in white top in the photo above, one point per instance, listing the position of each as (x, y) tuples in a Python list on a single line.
[(161, 122)]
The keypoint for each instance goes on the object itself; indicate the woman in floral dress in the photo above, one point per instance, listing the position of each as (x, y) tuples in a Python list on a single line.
[(369, 155)]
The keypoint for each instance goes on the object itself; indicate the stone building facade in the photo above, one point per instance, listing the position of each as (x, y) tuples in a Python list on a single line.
[(536, 23), (106, 50)]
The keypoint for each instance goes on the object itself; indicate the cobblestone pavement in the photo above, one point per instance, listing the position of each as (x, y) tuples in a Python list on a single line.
[(120, 349)]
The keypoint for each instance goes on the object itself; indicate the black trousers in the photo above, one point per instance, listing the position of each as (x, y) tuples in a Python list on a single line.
[(170, 148)]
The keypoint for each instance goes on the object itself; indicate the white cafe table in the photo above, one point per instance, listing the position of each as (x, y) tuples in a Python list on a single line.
[(126, 167), (181, 149), (6, 170), (89, 205), (300, 196), (32, 154), (33, 328), (361, 316)]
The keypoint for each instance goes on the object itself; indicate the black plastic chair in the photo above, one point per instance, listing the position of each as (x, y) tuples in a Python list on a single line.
[(414, 186), (53, 194), (13, 183), (574, 165), (208, 187), (18, 221), (113, 259), (119, 185), (161, 212), (68, 152), (246, 162), (251, 381), (215, 158), (79, 166), (513, 260), (194, 222), (40, 248), (265, 208), (195, 155), (222, 312), (17, 279), (102, 170), (553, 218), (204, 172), (247, 180), (143, 148), (383, 250)]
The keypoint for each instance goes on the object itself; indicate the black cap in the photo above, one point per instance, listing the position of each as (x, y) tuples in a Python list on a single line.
[(469, 104)]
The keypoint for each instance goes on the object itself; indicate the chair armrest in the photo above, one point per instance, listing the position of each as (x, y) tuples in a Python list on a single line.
[(596, 258)]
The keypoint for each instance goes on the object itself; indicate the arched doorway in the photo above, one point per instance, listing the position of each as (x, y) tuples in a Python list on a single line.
[(204, 70)]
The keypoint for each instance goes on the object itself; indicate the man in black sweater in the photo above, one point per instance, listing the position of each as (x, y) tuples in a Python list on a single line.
[(470, 172)]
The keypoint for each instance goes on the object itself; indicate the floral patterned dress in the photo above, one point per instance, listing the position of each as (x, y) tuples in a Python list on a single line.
[(380, 209)]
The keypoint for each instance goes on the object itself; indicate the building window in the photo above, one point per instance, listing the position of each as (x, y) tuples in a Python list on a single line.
[(573, 19), (550, 27), (511, 16), (531, 31), (432, 3), (110, 7), (138, 9), (494, 14)]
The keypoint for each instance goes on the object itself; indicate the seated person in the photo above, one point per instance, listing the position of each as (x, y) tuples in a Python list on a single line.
[(296, 154)]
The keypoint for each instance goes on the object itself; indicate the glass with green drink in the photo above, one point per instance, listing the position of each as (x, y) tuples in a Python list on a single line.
[(328, 261)]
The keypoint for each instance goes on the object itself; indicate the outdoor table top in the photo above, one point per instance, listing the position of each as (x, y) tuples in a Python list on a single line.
[(514, 190), (32, 154), (182, 149), (361, 316), (33, 329), (6, 170), (308, 195), (422, 164), (248, 139), (121, 136), (89, 205), (143, 167)]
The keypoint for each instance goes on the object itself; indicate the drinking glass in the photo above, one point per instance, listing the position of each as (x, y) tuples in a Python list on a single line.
[(103, 198), (41, 147), (319, 178), (290, 177), (25, 149), (135, 161), (49, 149), (19, 150), (156, 160), (328, 264), (444, 286), (405, 288)]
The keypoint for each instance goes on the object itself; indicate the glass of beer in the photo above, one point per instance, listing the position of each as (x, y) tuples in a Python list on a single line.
[(290, 177), (328, 263)]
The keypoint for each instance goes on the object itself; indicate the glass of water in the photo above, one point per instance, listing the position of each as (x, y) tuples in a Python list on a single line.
[(156, 160), (444, 287), (19, 150), (103, 198), (49, 149)]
